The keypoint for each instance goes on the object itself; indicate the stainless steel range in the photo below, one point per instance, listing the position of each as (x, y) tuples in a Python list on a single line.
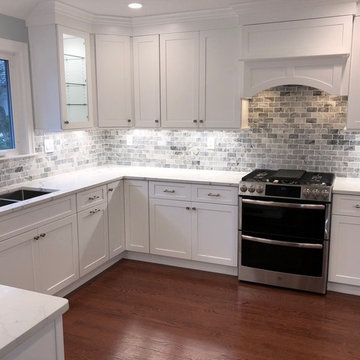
[(284, 228)]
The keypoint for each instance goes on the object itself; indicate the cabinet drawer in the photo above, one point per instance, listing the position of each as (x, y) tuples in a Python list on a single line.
[(88, 198), (346, 205), (35, 216), (215, 194), (168, 190)]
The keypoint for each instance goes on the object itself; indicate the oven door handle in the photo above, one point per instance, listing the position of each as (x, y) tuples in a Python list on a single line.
[(285, 205), (282, 243)]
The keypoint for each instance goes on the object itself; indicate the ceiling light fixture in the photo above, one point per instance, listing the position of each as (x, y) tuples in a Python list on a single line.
[(135, 6)]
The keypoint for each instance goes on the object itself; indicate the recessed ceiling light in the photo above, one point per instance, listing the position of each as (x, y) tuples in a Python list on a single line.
[(135, 6)]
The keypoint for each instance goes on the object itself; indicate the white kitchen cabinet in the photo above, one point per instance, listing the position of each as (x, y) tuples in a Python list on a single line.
[(219, 79), (137, 215), (179, 59), (214, 233), (170, 228), (113, 68), (146, 64), (344, 265), (93, 238), (353, 119), (116, 218), (61, 77), (58, 259), (18, 261)]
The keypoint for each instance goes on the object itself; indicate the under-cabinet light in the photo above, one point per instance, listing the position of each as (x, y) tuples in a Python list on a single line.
[(135, 6)]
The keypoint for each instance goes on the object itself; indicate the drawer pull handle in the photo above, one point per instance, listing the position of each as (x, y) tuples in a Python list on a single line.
[(169, 191), (36, 237), (213, 195), (42, 235), (357, 206), (194, 208), (95, 197), (94, 211), (111, 189), (187, 208)]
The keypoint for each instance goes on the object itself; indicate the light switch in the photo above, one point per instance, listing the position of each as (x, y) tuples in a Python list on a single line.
[(49, 145)]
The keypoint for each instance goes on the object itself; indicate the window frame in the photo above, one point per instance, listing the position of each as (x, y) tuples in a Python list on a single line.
[(21, 103)]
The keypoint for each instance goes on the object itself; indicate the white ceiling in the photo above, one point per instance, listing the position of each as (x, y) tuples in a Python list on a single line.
[(21, 8)]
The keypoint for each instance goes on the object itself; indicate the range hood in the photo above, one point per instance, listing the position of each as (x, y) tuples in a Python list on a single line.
[(305, 52)]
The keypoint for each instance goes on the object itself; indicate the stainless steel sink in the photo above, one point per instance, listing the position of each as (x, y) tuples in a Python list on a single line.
[(22, 194)]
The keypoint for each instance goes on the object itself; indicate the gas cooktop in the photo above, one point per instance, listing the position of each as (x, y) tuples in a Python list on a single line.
[(296, 184)]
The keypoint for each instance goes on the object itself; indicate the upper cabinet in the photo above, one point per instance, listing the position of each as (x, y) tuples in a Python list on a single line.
[(61, 74), (113, 68), (199, 79), (179, 58), (146, 63)]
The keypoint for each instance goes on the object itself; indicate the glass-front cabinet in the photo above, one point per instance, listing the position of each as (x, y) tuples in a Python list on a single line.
[(75, 78)]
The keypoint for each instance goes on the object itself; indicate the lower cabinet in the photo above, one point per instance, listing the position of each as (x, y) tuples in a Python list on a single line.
[(214, 233), (137, 215), (344, 266), (58, 255), (191, 230), (93, 238), (44, 259), (170, 228), (17, 261), (116, 218)]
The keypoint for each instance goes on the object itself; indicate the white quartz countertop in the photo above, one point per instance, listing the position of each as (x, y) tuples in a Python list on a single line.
[(349, 186), (23, 313), (72, 182)]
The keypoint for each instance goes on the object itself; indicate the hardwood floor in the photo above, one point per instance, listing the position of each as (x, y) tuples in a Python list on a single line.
[(143, 311)]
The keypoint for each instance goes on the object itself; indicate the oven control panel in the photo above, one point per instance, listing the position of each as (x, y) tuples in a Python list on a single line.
[(301, 192)]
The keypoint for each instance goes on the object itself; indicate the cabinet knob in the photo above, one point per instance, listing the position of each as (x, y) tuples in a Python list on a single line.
[(66, 122), (187, 208), (357, 206), (129, 120), (195, 121), (111, 189), (157, 121), (201, 121), (194, 208)]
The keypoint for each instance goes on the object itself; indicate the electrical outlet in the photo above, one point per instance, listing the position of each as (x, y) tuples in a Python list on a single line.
[(49, 145), (129, 140), (211, 143)]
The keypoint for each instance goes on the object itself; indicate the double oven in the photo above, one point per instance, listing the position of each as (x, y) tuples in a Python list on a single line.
[(284, 232)]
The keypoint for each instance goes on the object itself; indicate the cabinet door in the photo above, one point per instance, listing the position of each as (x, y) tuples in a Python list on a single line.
[(219, 79), (137, 215), (116, 218), (146, 80), (113, 80), (17, 261), (93, 238), (179, 59), (170, 228), (214, 237), (344, 266), (58, 256), (75, 78)]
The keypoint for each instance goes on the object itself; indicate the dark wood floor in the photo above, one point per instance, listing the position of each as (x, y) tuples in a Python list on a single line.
[(143, 311)]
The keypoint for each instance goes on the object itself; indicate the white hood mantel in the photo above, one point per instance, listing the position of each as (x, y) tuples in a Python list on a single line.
[(311, 52)]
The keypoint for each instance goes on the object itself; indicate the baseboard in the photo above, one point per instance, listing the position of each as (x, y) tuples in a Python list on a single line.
[(343, 288), (188, 264), (88, 276)]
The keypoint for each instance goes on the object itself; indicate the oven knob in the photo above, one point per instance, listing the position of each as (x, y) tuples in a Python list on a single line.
[(325, 193), (307, 192), (316, 193), (243, 188), (251, 188), (260, 189)]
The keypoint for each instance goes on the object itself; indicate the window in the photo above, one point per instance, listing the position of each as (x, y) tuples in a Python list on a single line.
[(7, 140), (16, 123)]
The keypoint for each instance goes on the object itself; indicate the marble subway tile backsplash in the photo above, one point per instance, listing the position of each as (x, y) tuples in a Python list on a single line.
[(290, 127)]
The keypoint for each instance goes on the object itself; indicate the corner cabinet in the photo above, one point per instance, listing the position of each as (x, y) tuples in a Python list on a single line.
[(61, 77)]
